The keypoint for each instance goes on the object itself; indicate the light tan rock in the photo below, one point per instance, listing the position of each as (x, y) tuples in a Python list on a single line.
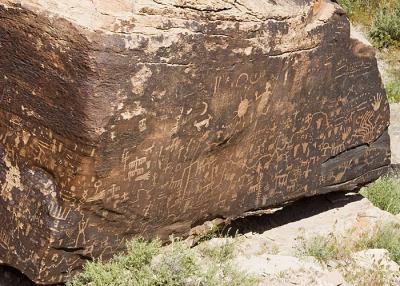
[(275, 254)]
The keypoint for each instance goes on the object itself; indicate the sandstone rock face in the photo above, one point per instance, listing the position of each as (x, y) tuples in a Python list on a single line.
[(122, 118)]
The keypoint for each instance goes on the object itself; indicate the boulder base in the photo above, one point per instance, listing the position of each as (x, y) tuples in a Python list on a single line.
[(144, 118)]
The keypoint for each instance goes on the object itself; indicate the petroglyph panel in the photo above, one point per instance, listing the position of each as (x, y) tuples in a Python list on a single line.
[(149, 118)]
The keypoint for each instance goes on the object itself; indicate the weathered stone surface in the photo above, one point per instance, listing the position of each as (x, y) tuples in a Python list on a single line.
[(124, 118), (272, 243)]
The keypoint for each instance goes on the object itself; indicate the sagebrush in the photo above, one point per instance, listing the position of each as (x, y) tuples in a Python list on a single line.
[(381, 18), (150, 264), (385, 194)]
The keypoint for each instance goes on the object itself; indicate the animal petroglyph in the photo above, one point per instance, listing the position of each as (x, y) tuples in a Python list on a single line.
[(204, 123)]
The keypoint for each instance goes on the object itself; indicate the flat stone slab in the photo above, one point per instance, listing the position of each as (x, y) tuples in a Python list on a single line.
[(270, 244), (145, 118)]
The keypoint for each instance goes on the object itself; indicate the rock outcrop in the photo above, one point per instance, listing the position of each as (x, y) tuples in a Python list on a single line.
[(122, 118)]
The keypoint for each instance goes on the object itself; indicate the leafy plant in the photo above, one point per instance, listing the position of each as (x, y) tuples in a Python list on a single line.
[(393, 91), (385, 30), (361, 11), (380, 17), (329, 248), (377, 276), (321, 247), (386, 237), (221, 253), (150, 264), (385, 194)]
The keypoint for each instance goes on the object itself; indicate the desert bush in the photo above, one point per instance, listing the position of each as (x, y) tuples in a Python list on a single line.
[(220, 254), (385, 237), (385, 29), (385, 194), (393, 91), (360, 11), (381, 18), (341, 249), (322, 248), (378, 275), (133, 268), (150, 264), (326, 248)]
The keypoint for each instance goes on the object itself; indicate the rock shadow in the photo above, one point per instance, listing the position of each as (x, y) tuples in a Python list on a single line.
[(261, 221), (10, 276)]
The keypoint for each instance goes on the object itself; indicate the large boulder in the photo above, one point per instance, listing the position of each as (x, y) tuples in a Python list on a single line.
[(130, 118)]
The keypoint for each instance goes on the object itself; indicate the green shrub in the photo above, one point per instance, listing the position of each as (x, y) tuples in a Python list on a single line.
[(361, 11), (393, 91), (150, 264), (177, 265), (329, 248), (320, 247), (220, 254), (386, 237), (385, 30), (385, 194), (380, 17), (377, 275), (130, 269)]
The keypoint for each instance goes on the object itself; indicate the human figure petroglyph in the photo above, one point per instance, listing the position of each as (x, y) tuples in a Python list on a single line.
[(263, 107), (81, 236)]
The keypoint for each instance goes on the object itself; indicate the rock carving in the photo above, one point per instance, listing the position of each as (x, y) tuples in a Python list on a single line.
[(123, 118)]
